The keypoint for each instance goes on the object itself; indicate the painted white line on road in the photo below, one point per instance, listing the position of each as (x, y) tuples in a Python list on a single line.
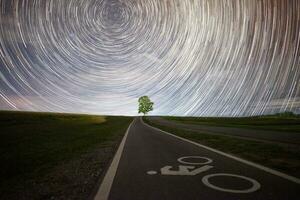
[(104, 189), (269, 170)]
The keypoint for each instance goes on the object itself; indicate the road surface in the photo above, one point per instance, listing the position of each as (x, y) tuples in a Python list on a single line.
[(264, 135), (155, 165)]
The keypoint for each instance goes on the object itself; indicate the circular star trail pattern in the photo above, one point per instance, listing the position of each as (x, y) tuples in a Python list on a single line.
[(191, 57)]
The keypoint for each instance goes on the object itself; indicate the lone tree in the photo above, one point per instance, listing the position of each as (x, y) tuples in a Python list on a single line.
[(145, 105)]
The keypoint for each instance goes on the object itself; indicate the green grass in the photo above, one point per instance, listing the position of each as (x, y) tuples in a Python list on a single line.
[(288, 123), (33, 144), (281, 157)]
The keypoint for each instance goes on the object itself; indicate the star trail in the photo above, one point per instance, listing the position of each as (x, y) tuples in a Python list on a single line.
[(191, 57)]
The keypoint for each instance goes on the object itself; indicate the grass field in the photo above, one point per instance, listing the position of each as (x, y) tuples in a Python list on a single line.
[(285, 158), (55, 156), (280, 122)]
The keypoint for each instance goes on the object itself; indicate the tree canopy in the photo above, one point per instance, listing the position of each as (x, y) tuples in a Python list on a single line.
[(145, 105)]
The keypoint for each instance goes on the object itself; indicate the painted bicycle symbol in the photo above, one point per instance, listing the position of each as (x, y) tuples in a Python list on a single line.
[(187, 168)]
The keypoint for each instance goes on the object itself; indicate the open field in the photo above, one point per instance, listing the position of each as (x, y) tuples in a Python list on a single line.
[(50, 156), (287, 123), (282, 157)]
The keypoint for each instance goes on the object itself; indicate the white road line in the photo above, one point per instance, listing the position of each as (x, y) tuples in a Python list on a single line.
[(104, 189), (269, 170)]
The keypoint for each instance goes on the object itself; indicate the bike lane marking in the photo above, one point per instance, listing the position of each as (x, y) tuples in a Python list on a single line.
[(189, 170), (181, 160), (255, 184), (252, 164)]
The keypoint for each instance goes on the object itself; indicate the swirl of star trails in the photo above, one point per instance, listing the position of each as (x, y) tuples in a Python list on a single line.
[(191, 57)]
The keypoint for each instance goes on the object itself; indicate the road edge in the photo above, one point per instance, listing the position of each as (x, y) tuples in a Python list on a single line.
[(105, 186), (261, 167)]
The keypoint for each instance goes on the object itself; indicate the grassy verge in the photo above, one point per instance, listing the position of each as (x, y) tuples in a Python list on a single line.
[(272, 122), (280, 157), (50, 156)]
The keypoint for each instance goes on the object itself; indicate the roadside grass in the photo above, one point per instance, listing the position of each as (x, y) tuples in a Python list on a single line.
[(288, 123), (34, 145), (284, 158)]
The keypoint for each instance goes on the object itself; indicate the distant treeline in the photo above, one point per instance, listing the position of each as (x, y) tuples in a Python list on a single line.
[(287, 114)]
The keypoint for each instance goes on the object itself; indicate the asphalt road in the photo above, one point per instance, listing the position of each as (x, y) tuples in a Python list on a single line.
[(264, 135), (154, 165)]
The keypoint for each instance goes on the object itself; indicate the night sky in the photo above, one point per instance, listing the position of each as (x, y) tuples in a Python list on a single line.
[(191, 57)]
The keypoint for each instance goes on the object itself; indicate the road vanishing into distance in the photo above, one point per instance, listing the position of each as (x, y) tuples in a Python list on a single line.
[(250, 134), (152, 164)]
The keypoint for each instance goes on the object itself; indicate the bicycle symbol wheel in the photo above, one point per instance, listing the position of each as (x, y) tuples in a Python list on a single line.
[(255, 184), (182, 160)]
